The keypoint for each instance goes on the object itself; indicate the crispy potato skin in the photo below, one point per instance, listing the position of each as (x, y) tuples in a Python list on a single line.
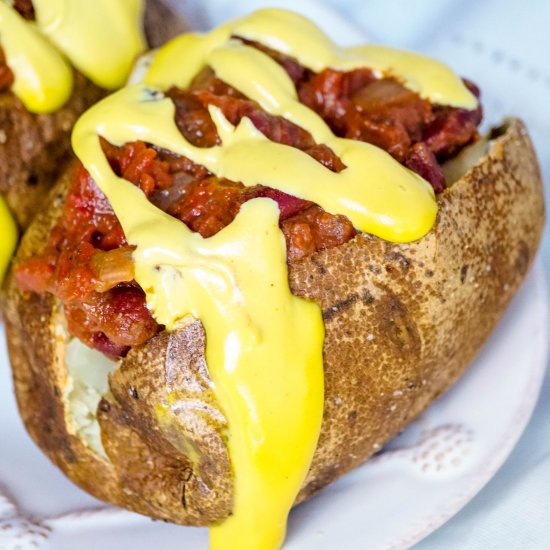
[(161, 22), (36, 149), (402, 323)]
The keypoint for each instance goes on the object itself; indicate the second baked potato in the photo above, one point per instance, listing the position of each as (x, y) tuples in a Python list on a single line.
[(35, 147)]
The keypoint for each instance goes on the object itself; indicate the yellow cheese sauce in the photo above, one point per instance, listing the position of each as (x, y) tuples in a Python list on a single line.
[(300, 38), (8, 231), (101, 38), (264, 345)]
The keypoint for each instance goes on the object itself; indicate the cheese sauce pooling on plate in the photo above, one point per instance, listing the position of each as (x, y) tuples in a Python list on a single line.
[(101, 38), (264, 345)]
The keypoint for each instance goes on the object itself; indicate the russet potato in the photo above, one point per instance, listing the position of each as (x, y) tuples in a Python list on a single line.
[(403, 321)]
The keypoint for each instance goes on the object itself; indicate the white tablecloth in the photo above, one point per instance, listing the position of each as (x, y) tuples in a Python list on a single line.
[(504, 46)]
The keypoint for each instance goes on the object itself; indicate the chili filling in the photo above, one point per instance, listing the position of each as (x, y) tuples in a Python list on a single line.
[(87, 263), (25, 8), (6, 74)]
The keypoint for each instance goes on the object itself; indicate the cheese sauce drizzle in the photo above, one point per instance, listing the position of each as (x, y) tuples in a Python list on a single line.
[(100, 38), (8, 231), (264, 345)]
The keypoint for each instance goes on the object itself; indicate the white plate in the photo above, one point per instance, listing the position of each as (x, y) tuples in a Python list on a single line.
[(423, 478), (418, 482)]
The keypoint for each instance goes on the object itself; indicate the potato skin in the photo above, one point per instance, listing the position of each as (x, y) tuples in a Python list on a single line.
[(402, 323), (35, 149)]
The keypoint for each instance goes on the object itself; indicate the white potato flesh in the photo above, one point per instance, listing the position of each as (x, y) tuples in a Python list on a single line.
[(87, 382)]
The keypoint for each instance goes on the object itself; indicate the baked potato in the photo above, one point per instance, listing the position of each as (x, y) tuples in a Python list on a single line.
[(35, 147), (402, 321)]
